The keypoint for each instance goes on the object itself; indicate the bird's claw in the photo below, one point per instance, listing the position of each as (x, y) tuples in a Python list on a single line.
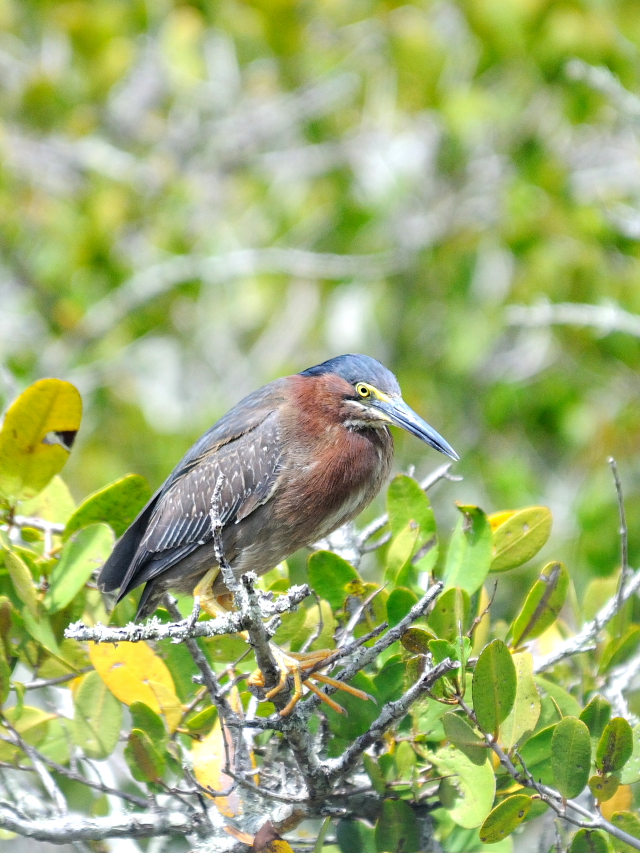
[(295, 665)]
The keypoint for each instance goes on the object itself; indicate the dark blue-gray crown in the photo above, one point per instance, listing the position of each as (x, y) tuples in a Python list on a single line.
[(358, 368)]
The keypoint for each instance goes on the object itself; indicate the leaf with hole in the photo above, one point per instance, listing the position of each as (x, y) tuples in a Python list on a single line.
[(505, 818), (494, 686), (36, 437), (518, 536), (603, 787)]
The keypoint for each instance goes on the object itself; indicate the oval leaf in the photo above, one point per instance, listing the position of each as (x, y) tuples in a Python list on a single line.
[(97, 717), (571, 756), (401, 551), (80, 558), (506, 817), (450, 616), (146, 763), (619, 649), (543, 604), (603, 787), (473, 786), (329, 576), (596, 715), (615, 746), (519, 537), (416, 640), (524, 715), (585, 841), (397, 828), (462, 736), (407, 502), (469, 554), (631, 770), (494, 686), (36, 437), (134, 673), (628, 822), (22, 581), (117, 505), (399, 604)]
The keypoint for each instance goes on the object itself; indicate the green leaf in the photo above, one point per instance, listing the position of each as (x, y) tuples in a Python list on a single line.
[(22, 581), (615, 746), (568, 704), (589, 841), (397, 828), (443, 649), (494, 686), (41, 631), (596, 715), (145, 762), (143, 717), (399, 603), (524, 715), (292, 623), (519, 537), (54, 503), (603, 787), (450, 616), (473, 786), (81, 556), (329, 576), (407, 502), (543, 604), (619, 649), (202, 722), (36, 437), (538, 748), (374, 773), (97, 717), (401, 551), (359, 714), (571, 756), (631, 770), (416, 640), (5, 676), (506, 817), (354, 836), (469, 554), (389, 681), (628, 822), (462, 736), (117, 505), (32, 724)]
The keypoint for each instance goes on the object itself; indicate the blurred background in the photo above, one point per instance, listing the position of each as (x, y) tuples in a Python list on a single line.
[(196, 198)]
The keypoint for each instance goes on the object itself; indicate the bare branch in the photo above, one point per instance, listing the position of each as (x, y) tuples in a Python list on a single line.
[(624, 534), (67, 828), (605, 318)]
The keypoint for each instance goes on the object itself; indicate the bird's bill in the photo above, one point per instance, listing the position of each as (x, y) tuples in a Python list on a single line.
[(399, 414)]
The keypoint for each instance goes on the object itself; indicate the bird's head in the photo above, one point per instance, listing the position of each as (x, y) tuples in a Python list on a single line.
[(374, 399)]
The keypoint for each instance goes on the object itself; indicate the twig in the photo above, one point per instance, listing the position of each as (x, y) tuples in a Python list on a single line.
[(624, 535), (39, 683), (391, 714), (585, 638), (605, 318)]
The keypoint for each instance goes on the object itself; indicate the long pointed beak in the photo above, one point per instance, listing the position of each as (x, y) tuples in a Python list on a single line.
[(401, 415)]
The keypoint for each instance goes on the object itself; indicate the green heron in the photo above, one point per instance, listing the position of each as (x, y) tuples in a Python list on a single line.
[(289, 464)]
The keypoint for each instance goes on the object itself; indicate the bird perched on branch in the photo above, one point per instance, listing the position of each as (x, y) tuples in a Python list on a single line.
[(288, 465)]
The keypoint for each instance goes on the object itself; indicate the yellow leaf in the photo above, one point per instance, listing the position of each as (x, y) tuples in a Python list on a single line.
[(208, 759), (134, 673), (621, 801), (499, 518), (36, 437)]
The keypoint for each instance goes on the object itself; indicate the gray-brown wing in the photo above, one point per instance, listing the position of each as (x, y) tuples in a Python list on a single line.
[(247, 469)]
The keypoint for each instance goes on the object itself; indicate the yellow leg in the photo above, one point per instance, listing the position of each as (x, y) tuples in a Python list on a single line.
[(289, 663)]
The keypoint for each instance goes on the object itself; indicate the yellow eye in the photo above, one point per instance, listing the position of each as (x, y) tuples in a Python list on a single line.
[(363, 390)]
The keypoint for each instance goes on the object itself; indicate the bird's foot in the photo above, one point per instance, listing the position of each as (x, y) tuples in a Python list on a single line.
[(296, 665)]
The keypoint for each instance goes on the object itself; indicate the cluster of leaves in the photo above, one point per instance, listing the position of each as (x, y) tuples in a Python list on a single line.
[(442, 756)]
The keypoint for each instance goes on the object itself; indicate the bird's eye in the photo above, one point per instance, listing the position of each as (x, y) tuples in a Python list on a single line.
[(363, 390)]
